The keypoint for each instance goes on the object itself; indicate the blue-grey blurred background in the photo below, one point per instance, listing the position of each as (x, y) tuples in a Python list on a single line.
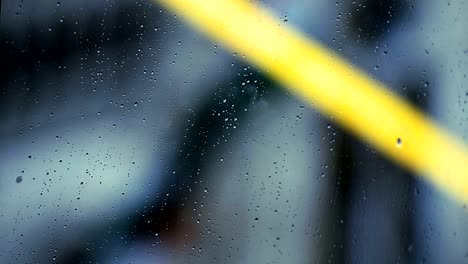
[(128, 137)]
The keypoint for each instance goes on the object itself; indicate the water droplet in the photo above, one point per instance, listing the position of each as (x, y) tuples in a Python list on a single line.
[(19, 179), (399, 142)]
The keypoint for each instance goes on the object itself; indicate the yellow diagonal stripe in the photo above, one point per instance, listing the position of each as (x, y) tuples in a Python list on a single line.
[(338, 89)]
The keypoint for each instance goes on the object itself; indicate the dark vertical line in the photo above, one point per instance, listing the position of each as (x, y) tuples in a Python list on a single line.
[(342, 195)]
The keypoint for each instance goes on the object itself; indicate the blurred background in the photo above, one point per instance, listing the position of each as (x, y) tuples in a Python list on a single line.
[(128, 137)]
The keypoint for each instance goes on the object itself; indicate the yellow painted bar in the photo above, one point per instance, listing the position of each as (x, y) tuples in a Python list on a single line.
[(339, 90)]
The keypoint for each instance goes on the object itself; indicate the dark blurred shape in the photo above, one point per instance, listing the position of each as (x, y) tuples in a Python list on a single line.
[(204, 134), (370, 20), (37, 50)]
